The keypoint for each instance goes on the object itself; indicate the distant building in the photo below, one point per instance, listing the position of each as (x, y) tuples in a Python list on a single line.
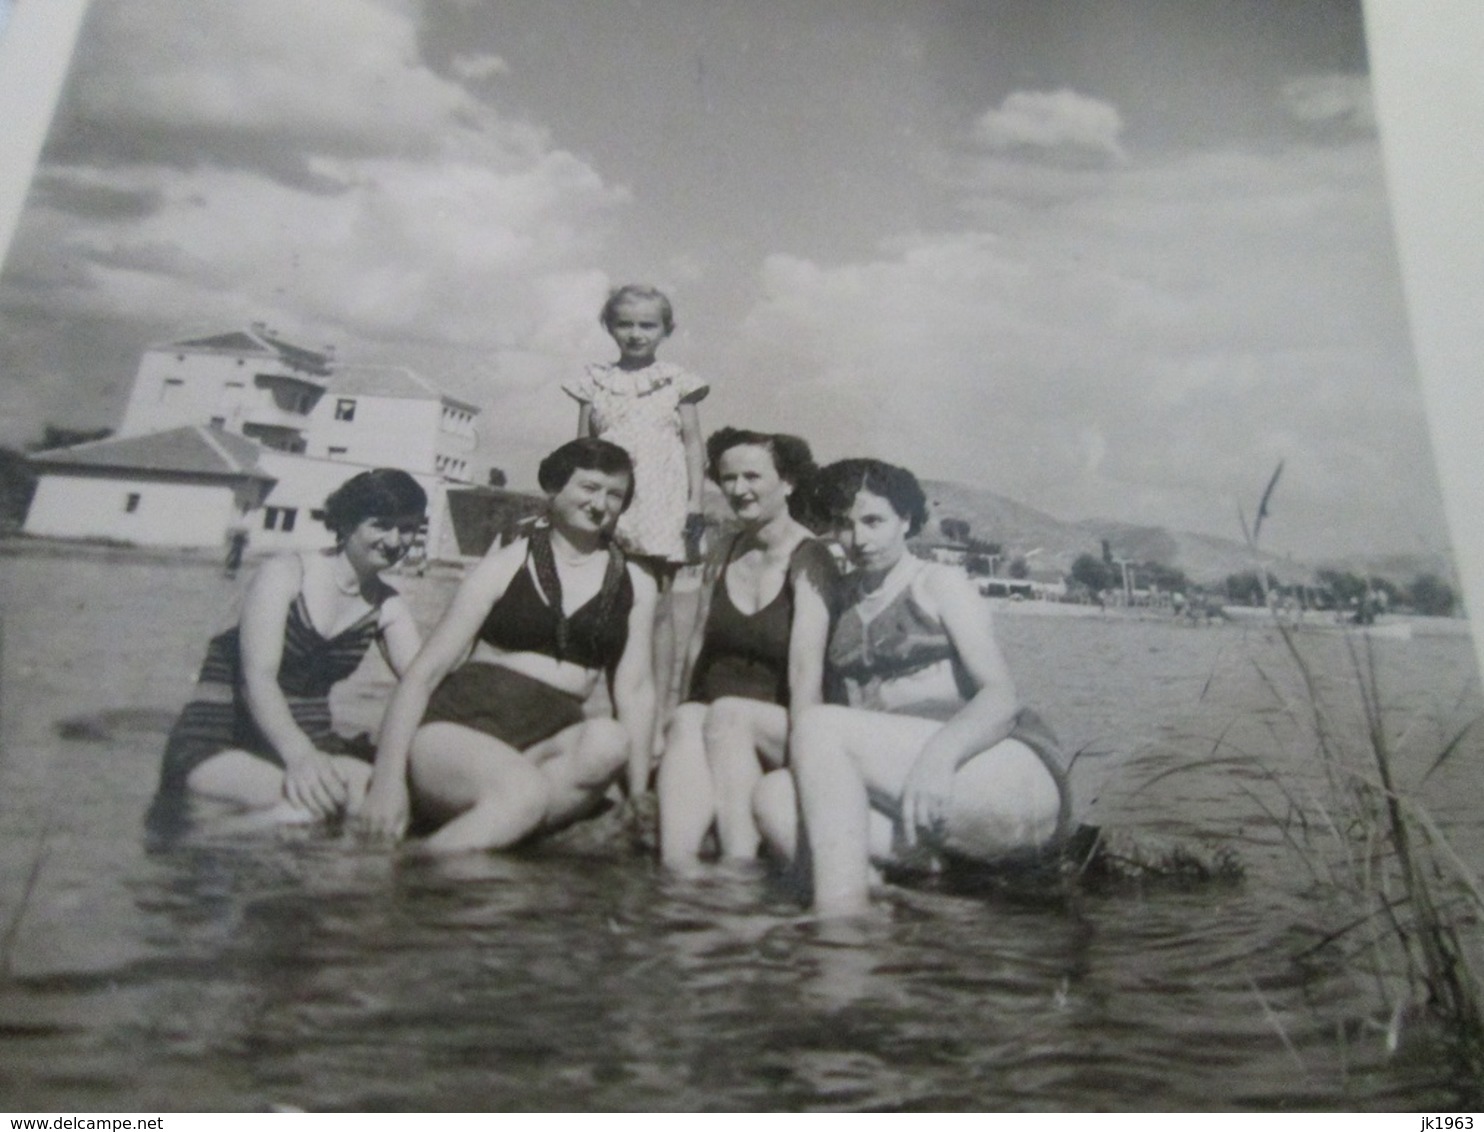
[(388, 416), (245, 382), (209, 415), (182, 487), (948, 553)]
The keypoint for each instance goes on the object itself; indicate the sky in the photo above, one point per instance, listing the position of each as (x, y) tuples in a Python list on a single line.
[(1111, 260)]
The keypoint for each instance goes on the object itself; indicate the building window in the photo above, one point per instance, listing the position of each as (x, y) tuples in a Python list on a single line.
[(131, 502), (345, 409), (279, 518), (337, 452), (218, 422), (172, 387)]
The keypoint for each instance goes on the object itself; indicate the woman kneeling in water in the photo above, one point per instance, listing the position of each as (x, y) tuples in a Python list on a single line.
[(927, 750), (257, 734), (496, 747)]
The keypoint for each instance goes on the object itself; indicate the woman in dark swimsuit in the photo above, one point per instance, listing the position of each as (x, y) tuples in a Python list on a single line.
[(257, 733), (486, 737), (761, 652), (927, 750)]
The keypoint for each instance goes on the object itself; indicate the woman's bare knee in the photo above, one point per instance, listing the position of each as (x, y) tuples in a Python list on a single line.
[(726, 719), (601, 749), (816, 733)]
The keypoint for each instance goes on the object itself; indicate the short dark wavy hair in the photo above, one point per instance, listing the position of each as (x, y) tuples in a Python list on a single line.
[(590, 454), (378, 493), (792, 460), (842, 481), (638, 291)]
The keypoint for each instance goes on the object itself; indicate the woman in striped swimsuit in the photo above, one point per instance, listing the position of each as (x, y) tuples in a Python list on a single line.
[(924, 750), (257, 733)]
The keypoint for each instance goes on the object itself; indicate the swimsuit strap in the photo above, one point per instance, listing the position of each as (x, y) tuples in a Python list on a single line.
[(543, 561), (300, 605)]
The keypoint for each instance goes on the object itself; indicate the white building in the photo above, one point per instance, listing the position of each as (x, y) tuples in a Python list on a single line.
[(291, 399), (208, 414), (245, 382), (182, 487), (388, 416)]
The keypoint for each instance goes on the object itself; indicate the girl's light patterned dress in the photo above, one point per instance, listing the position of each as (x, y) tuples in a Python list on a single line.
[(639, 410)]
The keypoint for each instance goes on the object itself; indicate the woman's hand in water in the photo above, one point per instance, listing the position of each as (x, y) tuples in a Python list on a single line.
[(925, 797), (312, 782), (384, 813)]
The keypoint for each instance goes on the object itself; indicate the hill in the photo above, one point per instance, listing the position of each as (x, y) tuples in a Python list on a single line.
[(1204, 558)]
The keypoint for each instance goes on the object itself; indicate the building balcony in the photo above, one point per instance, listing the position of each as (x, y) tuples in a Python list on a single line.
[(277, 437)]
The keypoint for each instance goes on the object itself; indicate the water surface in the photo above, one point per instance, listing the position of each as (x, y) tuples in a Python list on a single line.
[(305, 970)]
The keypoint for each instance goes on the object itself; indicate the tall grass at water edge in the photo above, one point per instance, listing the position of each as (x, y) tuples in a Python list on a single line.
[(1411, 913)]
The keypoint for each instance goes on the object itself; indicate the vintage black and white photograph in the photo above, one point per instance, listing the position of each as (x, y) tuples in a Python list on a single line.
[(693, 555)]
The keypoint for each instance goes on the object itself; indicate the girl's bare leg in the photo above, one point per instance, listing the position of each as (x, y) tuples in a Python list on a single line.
[(834, 809), (486, 793), (686, 791), (579, 765), (849, 770), (775, 809), (494, 796), (243, 779), (743, 737)]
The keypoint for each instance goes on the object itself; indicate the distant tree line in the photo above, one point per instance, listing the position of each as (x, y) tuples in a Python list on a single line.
[(1341, 589), (1093, 573), (1332, 589), (1099, 574)]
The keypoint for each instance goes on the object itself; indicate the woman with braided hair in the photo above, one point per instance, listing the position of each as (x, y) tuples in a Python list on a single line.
[(486, 739)]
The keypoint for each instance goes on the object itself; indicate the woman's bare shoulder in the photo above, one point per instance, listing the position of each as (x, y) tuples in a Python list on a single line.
[(282, 572), (941, 583)]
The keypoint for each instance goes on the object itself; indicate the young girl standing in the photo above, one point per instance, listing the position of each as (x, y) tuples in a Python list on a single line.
[(648, 407)]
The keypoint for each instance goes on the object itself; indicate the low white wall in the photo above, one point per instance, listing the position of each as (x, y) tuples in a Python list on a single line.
[(167, 514)]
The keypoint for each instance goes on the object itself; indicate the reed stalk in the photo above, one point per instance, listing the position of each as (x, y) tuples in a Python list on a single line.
[(1415, 924)]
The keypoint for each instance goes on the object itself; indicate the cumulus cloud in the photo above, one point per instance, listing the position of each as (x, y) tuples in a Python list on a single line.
[(1144, 344), (301, 163), (1061, 123), (1343, 100), (335, 73), (477, 68)]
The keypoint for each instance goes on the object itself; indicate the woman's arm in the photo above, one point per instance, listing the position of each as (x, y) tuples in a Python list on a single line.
[(981, 723), (584, 420), (633, 682), (809, 633), (399, 635), (310, 778), (386, 808)]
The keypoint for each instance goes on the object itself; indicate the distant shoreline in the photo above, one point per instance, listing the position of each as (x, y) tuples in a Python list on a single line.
[(16, 545)]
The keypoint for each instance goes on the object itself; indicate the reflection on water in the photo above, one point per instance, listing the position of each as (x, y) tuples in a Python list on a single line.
[(301, 969)]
